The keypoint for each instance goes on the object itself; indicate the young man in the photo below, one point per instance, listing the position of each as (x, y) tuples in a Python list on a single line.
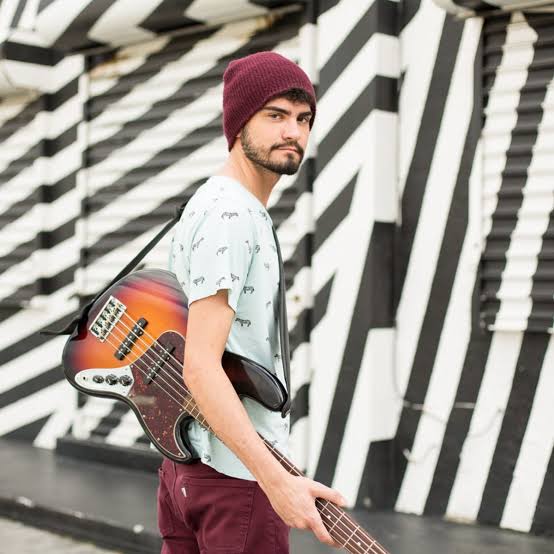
[(237, 498)]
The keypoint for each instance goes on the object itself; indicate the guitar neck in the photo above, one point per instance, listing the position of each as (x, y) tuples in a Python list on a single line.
[(344, 530)]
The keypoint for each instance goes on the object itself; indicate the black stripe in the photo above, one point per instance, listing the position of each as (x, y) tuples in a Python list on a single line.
[(49, 239), (29, 53), (420, 165), (28, 342), (408, 9), (514, 424), (542, 291), (49, 285), (380, 17), (43, 285), (75, 36), (321, 301), (27, 432), (44, 193), (476, 5), (43, 4), (17, 16), (439, 299), (52, 101), (379, 94), (336, 212), (300, 332), (51, 147), (300, 404), (459, 420), (377, 477), (50, 193), (373, 308), (25, 161), (544, 512), (43, 239), (20, 119), (326, 5), (169, 15), (30, 386), (110, 421)]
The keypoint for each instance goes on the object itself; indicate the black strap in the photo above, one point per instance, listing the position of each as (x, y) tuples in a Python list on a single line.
[(283, 327), (70, 327)]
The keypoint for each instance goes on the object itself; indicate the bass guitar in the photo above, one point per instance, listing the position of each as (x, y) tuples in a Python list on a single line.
[(130, 346)]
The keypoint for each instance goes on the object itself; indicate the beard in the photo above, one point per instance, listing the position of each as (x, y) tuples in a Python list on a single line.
[(262, 157)]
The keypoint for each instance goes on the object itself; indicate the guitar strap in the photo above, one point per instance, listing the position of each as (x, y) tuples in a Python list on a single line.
[(283, 326), (285, 355)]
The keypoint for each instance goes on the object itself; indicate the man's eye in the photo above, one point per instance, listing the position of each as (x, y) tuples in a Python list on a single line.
[(274, 115)]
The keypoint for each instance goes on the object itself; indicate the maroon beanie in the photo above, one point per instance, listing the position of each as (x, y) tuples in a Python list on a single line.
[(249, 82)]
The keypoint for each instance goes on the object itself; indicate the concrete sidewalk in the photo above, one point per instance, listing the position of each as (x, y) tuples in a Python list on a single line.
[(115, 508)]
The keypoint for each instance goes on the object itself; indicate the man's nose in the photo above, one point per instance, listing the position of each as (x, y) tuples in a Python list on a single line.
[(291, 130)]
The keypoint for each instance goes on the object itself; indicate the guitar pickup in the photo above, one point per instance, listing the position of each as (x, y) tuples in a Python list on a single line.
[(160, 362), (132, 336)]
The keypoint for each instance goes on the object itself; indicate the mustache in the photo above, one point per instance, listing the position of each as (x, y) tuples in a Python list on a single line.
[(296, 147)]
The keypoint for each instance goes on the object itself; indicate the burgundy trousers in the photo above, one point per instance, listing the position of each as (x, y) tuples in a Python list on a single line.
[(202, 511)]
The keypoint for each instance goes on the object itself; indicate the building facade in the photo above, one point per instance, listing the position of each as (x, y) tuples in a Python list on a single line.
[(422, 363)]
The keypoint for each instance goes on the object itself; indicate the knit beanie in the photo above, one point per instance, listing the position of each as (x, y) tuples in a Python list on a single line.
[(249, 82)]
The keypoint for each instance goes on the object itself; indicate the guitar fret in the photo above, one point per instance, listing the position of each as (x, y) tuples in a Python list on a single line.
[(351, 535), (341, 516)]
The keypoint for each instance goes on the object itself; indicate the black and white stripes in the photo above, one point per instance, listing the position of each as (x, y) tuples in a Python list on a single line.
[(416, 236)]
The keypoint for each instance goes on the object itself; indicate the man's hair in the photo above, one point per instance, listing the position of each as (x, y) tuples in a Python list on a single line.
[(296, 95)]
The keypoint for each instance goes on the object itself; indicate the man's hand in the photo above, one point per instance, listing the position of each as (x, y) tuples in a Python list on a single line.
[(293, 498)]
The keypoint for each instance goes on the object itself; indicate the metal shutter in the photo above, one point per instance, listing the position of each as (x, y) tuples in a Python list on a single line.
[(517, 266)]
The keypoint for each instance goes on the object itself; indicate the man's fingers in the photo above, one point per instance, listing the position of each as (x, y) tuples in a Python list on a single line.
[(329, 494), (321, 533)]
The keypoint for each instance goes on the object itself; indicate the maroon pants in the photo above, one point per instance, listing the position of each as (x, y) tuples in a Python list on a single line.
[(202, 511)]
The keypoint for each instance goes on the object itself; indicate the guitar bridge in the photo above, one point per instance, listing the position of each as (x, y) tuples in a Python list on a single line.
[(107, 319)]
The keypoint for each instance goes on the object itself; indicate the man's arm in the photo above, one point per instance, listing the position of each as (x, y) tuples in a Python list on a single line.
[(292, 497)]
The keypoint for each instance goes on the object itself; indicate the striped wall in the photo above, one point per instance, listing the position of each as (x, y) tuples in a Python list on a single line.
[(410, 390)]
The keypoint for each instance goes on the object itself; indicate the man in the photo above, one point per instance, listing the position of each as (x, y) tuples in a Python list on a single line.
[(237, 498)]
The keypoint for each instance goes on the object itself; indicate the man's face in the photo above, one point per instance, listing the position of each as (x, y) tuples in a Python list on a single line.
[(276, 136)]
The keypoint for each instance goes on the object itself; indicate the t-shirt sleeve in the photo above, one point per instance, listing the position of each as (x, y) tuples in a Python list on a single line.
[(221, 253)]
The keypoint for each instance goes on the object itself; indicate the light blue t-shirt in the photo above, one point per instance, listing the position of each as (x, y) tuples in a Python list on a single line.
[(224, 240)]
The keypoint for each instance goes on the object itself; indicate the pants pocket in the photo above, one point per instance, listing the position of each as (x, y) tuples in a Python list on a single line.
[(166, 521), (220, 511)]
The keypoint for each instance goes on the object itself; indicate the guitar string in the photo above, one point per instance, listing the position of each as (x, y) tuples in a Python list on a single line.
[(199, 413), (323, 503)]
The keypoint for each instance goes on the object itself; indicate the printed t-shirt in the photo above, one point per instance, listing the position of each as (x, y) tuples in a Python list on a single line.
[(224, 240)]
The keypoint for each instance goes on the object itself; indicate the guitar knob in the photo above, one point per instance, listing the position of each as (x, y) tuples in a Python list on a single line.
[(125, 380), (111, 379), (98, 379)]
